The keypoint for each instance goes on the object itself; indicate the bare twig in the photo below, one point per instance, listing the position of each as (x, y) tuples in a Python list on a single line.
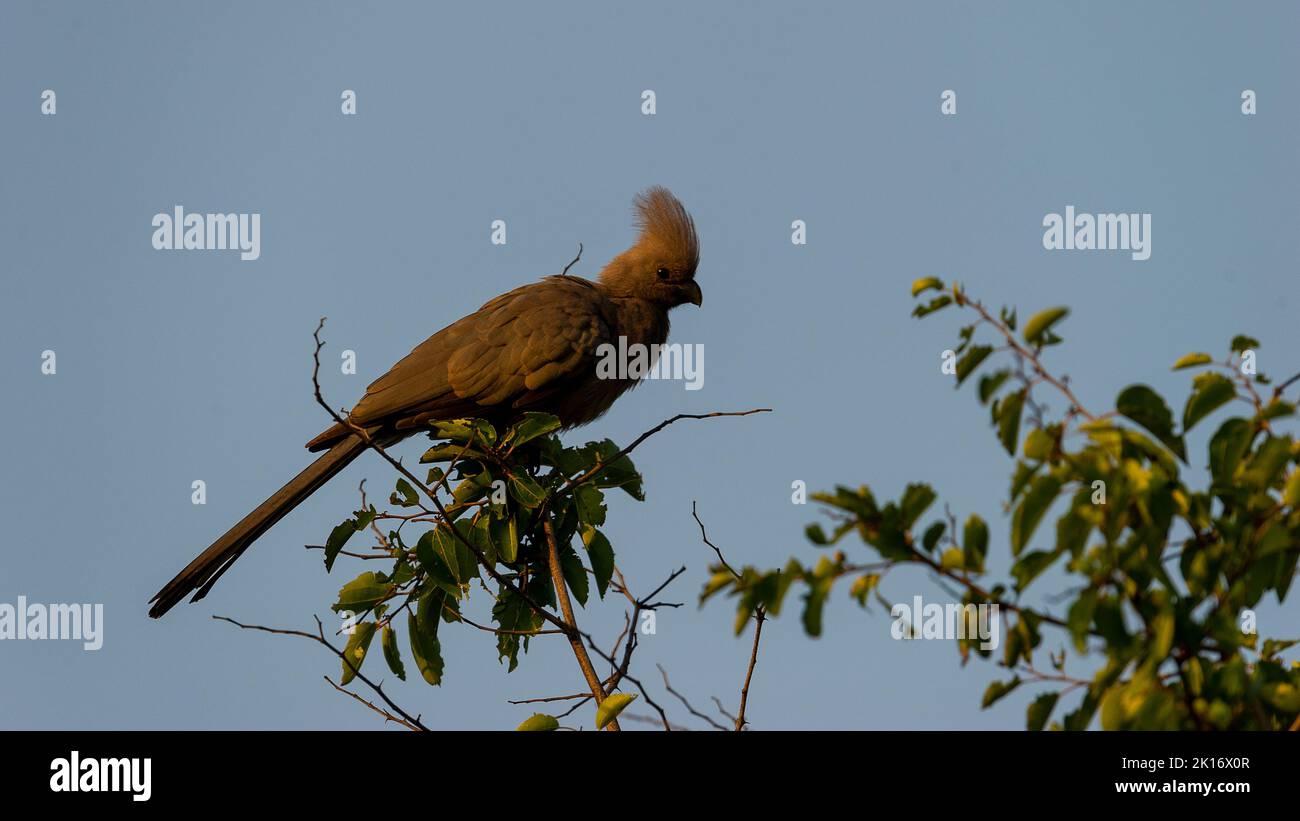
[(577, 480), (319, 638), (669, 687), (1281, 388), (565, 272), (722, 709), (760, 616), (705, 537), (387, 715)]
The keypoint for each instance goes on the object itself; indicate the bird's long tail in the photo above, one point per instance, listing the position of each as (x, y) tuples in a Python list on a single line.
[(204, 571)]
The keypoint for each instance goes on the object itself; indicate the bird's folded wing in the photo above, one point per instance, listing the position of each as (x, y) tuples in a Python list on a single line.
[(509, 353)]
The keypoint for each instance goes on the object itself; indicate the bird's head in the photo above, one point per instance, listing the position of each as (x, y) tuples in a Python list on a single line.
[(660, 267)]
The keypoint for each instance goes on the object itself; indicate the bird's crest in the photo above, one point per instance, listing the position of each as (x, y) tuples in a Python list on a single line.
[(664, 222)]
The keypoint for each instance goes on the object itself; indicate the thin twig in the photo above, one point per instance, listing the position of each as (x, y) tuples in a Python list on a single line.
[(577, 480), (387, 715), (669, 687), (760, 616), (1031, 357), (320, 639), (705, 537), (565, 272)]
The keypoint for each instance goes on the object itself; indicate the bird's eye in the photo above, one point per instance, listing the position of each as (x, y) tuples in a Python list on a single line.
[(662, 273)]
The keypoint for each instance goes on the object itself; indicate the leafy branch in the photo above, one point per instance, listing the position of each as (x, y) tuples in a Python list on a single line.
[(1173, 654)]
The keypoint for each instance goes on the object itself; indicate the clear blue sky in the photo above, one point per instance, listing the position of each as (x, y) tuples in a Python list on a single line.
[(181, 366)]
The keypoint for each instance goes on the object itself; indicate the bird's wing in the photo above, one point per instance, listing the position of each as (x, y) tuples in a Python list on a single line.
[(511, 353)]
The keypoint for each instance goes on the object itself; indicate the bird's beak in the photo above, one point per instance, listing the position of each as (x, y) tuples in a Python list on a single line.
[(693, 293)]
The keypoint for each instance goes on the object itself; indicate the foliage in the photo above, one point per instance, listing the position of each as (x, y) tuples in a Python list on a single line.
[(499, 489), (1161, 575)]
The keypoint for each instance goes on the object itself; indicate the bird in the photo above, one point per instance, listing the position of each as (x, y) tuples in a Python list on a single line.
[(534, 348)]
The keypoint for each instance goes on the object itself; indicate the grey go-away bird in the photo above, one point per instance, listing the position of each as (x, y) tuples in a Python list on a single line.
[(532, 349)]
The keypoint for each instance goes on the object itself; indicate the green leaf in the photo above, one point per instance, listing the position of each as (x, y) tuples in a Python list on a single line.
[(435, 606), (480, 431), (575, 575), (504, 532), (975, 543), (997, 690), (1162, 635), (601, 555), (525, 490), (1269, 460), (448, 561), (406, 492), (1283, 696), (952, 559), (1192, 360), (1145, 407), (1039, 445), (925, 284), (1276, 409), (1027, 515), (473, 488), (355, 651), (1030, 566), (1274, 646), (819, 590), (1007, 411), (1008, 317), (1227, 446), (391, 654), (448, 451), (616, 470), (538, 723), (480, 535), (1072, 531), (932, 535), (1040, 323), (426, 649), (1040, 709), (1021, 478), (862, 587), (361, 594), (611, 707), (337, 539), (934, 305), (1079, 619), (989, 384), (529, 428), (340, 534), (1244, 343), (971, 360), (1291, 495), (916, 498), (1210, 392), (512, 612), (590, 502)]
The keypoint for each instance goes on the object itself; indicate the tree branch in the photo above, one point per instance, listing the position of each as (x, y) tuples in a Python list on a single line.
[(409, 720)]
